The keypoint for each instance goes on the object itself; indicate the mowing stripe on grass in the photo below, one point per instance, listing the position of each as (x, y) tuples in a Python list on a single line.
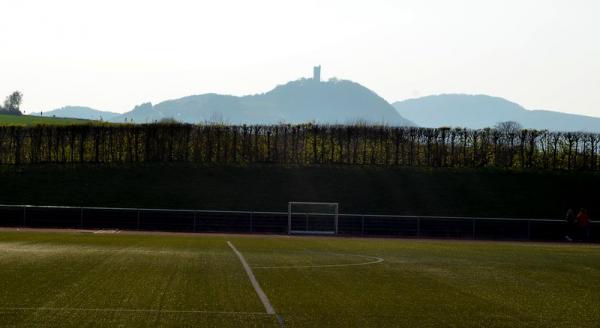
[(259, 291), (12, 309)]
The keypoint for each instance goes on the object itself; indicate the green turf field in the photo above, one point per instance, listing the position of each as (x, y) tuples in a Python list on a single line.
[(74, 279), (23, 120)]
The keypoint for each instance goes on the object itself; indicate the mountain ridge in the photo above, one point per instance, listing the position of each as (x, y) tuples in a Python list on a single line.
[(340, 102), (480, 111), (299, 101), (81, 112)]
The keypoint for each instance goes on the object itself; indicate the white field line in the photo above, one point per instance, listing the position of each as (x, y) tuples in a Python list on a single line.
[(375, 260), (72, 249), (125, 310), (261, 294)]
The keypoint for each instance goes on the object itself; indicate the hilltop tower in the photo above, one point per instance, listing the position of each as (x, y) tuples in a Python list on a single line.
[(317, 73)]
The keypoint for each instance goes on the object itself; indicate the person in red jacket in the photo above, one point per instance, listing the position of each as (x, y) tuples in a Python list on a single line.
[(583, 223)]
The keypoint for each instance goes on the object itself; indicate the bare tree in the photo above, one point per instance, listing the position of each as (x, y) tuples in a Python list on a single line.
[(12, 104)]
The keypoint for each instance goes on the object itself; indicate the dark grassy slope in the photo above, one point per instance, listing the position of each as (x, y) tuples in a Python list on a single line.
[(358, 189)]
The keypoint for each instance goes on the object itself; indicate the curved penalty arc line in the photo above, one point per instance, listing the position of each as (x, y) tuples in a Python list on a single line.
[(374, 260)]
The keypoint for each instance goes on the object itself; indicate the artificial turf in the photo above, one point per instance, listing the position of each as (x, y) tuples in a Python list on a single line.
[(74, 279)]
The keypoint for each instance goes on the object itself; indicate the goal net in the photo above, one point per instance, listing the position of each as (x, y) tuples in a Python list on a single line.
[(312, 218)]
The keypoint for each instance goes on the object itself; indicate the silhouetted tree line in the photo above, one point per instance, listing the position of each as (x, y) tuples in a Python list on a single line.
[(300, 144)]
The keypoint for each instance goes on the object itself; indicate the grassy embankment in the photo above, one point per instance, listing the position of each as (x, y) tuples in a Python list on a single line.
[(26, 120), (358, 189)]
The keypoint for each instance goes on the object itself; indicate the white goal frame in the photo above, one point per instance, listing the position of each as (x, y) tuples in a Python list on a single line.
[(314, 232)]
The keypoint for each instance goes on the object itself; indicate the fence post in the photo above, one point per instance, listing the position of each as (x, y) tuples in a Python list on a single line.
[(306, 215), (24, 215), (418, 227), (194, 224), (251, 221), (138, 219), (474, 220), (81, 219), (362, 225), (528, 229), (289, 227)]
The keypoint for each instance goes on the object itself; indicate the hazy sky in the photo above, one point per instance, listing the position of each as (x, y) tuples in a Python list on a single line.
[(114, 54)]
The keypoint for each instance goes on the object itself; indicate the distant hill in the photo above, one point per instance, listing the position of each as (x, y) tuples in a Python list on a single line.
[(479, 111), (86, 113), (301, 101)]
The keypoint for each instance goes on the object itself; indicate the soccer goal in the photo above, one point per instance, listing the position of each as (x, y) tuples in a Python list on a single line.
[(312, 218)]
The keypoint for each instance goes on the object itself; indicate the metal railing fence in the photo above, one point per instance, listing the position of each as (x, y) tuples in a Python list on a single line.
[(188, 220)]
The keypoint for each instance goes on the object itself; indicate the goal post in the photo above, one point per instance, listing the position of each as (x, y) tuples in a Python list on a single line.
[(313, 218)]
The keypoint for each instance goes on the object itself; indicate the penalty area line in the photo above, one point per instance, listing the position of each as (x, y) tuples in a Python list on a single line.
[(259, 291), (4, 309)]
